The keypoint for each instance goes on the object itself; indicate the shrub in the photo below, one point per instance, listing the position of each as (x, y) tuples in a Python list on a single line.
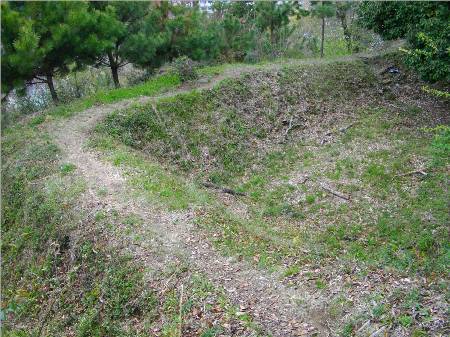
[(423, 24), (185, 68)]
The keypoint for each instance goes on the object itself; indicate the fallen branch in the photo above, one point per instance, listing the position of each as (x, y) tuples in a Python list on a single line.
[(181, 313), (304, 180), (412, 172), (290, 127), (224, 189), (336, 193), (345, 128), (324, 139), (330, 133)]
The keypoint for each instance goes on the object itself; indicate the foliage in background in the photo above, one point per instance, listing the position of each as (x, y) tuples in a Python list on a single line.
[(323, 10), (147, 35), (43, 39), (120, 20), (423, 24), (272, 16)]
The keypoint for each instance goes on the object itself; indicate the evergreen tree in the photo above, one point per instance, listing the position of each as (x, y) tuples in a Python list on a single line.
[(20, 53), (342, 8), (237, 27), (272, 15), (61, 34), (193, 34), (169, 31), (323, 10), (149, 46), (118, 21)]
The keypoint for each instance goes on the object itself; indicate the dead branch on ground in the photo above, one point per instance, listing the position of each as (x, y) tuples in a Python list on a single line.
[(419, 171), (336, 193), (223, 189)]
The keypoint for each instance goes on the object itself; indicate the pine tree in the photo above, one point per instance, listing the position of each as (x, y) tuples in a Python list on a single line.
[(323, 10), (20, 53), (118, 21), (272, 15), (342, 7), (59, 35)]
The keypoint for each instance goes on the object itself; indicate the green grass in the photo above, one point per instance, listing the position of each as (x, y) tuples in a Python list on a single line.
[(157, 182), (200, 133), (61, 279), (393, 223), (188, 125), (40, 273), (335, 48), (67, 168), (152, 87)]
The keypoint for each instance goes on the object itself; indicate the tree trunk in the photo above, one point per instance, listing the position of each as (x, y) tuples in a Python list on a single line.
[(347, 34), (115, 75), (114, 70), (52, 87), (323, 37), (272, 36)]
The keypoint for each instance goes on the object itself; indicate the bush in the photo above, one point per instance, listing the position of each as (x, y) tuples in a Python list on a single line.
[(423, 24), (185, 68), (252, 57)]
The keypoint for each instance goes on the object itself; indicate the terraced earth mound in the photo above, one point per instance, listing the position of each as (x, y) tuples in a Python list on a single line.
[(298, 199)]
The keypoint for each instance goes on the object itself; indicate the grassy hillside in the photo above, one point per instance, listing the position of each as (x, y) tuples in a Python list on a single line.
[(63, 275), (345, 172), (218, 131), (345, 176)]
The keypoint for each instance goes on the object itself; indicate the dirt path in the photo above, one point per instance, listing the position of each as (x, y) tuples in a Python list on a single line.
[(279, 310)]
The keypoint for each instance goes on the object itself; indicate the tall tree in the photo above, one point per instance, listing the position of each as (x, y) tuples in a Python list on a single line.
[(118, 20), (237, 29), (342, 8), (63, 34), (323, 10), (192, 34), (149, 46), (19, 50), (272, 15), (169, 31)]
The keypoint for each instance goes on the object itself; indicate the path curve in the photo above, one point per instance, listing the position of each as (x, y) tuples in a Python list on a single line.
[(278, 309)]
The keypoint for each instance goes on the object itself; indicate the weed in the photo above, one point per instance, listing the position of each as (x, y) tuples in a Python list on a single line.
[(320, 284), (405, 320), (291, 271), (153, 86), (67, 168)]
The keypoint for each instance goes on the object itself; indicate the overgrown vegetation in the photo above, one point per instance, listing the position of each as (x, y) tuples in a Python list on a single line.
[(249, 134), (425, 26), (215, 132), (114, 34), (151, 87), (62, 275), (332, 174)]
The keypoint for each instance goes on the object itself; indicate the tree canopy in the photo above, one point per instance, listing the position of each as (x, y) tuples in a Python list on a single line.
[(43, 39)]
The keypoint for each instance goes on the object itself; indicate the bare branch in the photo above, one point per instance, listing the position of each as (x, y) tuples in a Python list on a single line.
[(223, 189), (336, 193), (419, 171)]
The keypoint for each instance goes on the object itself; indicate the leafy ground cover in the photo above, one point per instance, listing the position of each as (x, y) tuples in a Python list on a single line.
[(345, 178), (62, 275)]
